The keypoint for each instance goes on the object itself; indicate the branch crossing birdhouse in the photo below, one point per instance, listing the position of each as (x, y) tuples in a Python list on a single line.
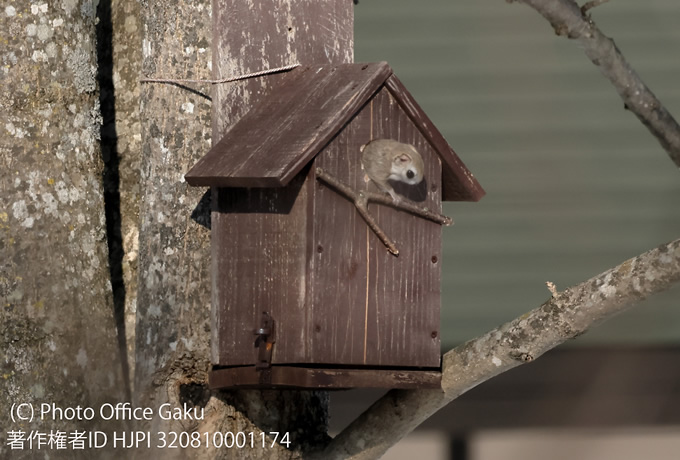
[(304, 293)]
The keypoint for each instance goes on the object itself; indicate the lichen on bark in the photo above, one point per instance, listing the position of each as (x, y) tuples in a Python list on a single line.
[(56, 314)]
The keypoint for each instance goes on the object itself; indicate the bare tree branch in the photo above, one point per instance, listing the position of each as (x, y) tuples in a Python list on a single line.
[(592, 4), (565, 315), (568, 19)]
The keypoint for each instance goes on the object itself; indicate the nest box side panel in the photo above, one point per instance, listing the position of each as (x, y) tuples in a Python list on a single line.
[(259, 263), (368, 307)]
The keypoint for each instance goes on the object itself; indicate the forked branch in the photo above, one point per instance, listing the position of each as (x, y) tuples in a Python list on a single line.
[(572, 21), (362, 198)]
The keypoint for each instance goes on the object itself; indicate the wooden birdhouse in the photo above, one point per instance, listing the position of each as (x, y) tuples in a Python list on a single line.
[(304, 292)]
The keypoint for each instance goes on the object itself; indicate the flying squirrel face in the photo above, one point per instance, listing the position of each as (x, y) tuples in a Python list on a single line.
[(387, 159), (407, 166)]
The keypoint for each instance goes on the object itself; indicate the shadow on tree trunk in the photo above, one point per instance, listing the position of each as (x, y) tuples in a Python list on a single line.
[(111, 178)]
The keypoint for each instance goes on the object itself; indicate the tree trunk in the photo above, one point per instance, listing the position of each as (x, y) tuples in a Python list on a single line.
[(173, 326), (57, 330), (173, 297)]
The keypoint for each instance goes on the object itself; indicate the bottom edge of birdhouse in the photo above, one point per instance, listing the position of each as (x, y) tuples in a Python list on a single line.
[(328, 378)]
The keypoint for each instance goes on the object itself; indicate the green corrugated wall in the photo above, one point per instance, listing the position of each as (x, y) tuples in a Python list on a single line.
[(575, 184)]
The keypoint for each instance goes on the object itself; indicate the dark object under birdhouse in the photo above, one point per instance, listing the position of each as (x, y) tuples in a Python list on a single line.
[(305, 293)]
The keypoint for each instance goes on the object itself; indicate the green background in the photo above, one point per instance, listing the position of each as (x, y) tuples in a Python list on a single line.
[(575, 184)]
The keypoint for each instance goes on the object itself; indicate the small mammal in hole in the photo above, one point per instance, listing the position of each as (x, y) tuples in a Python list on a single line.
[(385, 159)]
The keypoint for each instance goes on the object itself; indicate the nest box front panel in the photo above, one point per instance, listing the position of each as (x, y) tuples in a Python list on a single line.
[(368, 307)]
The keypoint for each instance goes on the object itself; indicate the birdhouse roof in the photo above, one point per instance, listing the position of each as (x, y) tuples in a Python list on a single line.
[(290, 126)]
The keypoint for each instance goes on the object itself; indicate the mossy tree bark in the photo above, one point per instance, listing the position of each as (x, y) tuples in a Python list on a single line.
[(58, 331)]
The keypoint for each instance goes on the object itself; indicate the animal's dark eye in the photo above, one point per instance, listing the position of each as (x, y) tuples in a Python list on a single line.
[(410, 174)]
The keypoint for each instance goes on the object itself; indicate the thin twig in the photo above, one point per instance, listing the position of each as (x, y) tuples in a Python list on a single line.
[(361, 199), (567, 19), (552, 288), (222, 80), (592, 4), (385, 199), (565, 315), (361, 203)]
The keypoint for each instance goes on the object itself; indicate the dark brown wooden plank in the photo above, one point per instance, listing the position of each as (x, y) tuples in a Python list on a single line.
[(298, 377), (339, 262), (369, 307), (407, 289), (321, 32), (259, 258), (459, 183), (279, 136)]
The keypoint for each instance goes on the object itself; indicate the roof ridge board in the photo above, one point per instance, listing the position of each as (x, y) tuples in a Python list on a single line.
[(451, 162)]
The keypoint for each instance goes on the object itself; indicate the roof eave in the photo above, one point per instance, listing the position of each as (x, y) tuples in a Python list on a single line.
[(458, 183), (214, 169)]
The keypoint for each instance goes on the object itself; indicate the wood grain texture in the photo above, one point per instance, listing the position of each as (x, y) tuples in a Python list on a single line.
[(275, 139), (259, 263), (303, 254), (250, 36), (369, 307), (299, 377)]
